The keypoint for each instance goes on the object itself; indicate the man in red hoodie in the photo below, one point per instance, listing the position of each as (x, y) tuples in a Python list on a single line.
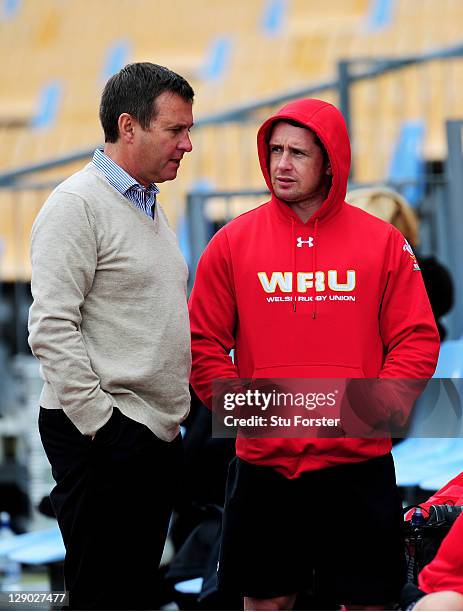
[(307, 286)]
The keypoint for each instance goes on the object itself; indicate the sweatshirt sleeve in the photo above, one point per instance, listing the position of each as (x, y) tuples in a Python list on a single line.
[(213, 317), (64, 260), (407, 324), (409, 335), (445, 572)]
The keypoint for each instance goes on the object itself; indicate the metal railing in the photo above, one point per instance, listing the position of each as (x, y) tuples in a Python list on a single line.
[(348, 73)]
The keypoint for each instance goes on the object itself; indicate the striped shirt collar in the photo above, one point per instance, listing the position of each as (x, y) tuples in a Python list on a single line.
[(117, 176)]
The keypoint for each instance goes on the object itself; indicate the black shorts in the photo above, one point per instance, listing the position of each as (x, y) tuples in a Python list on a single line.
[(335, 533)]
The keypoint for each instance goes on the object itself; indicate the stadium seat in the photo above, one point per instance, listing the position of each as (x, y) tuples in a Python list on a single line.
[(190, 587), (48, 106), (117, 55), (49, 550), (37, 547), (407, 161), (10, 8), (445, 473), (218, 58), (380, 14), (419, 458), (450, 364), (274, 16)]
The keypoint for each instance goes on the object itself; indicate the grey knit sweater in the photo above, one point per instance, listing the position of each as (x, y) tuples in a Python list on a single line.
[(109, 321)]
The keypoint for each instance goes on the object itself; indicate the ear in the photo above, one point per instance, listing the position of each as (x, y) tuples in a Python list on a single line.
[(329, 172), (126, 126)]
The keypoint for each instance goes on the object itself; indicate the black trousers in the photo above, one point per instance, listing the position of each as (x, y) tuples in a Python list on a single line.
[(113, 500)]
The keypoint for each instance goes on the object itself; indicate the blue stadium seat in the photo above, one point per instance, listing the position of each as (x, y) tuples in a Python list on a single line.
[(48, 105), (9, 9), (116, 57), (218, 59), (445, 473), (419, 458), (274, 16), (190, 587), (51, 550), (380, 14), (450, 364), (407, 163), (36, 547), (415, 450)]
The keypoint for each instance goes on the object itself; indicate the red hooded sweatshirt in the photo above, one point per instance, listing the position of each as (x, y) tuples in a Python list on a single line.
[(340, 296)]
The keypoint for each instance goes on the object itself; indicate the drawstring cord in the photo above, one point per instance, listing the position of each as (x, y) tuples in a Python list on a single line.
[(293, 253), (314, 270)]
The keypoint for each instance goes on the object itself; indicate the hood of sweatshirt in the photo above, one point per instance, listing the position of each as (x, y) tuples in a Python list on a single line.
[(326, 121), (328, 124)]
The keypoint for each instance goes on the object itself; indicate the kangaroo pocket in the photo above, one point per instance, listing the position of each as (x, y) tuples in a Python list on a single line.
[(293, 455), (317, 380)]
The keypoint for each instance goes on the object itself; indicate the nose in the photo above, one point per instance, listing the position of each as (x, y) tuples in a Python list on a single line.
[(185, 143), (284, 163)]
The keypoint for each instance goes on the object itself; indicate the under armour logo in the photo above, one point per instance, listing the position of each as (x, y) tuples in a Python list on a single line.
[(300, 242)]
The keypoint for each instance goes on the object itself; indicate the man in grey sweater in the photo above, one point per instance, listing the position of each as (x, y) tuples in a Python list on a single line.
[(109, 325)]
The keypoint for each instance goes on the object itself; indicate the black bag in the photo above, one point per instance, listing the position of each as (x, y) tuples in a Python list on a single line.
[(421, 545), (422, 542)]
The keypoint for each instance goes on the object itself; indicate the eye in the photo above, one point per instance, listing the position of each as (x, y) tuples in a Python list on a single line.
[(275, 148)]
